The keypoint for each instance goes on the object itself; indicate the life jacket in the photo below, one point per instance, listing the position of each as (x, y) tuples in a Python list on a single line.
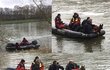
[(41, 66), (58, 23), (57, 20), (20, 67), (75, 21)]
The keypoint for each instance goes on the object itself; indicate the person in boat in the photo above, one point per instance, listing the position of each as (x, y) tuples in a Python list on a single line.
[(75, 22), (87, 26), (37, 64), (71, 66), (21, 65), (24, 42), (58, 22), (55, 66), (17, 45)]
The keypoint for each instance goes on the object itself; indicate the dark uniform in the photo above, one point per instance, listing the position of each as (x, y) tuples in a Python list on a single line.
[(55, 66), (87, 26), (72, 66), (35, 66)]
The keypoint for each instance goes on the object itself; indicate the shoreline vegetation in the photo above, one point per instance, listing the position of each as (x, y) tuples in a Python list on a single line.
[(25, 13)]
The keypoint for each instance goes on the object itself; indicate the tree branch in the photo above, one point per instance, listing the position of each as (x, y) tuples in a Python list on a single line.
[(42, 11)]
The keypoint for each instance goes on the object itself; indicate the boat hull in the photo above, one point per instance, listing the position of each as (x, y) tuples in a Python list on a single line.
[(23, 47), (12, 46), (75, 34)]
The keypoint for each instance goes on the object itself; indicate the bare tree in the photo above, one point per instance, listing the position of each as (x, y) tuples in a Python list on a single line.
[(26, 12), (41, 9)]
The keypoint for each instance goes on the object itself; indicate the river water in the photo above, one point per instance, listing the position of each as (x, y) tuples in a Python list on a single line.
[(93, 53), (15, 32)]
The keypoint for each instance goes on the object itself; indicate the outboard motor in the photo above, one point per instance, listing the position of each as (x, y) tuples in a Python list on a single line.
[(100, 27), (34, 42)]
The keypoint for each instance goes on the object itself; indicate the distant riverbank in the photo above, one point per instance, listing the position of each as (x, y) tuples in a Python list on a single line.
[(20, 21)]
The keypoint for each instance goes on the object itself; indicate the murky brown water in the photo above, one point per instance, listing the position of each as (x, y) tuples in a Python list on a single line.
[(93, 53)]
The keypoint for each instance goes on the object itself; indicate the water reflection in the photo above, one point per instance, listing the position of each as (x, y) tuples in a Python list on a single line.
[(28, 29), (66, 45), (93, 45), (60, 44)]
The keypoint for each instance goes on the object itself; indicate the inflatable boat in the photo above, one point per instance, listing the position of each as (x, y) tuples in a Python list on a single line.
[(75, 34), (32, 45)]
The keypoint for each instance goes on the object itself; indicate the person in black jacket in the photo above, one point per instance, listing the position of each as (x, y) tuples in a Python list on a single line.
[(71, 65), (35, 64), (55, 66), (87, 26)]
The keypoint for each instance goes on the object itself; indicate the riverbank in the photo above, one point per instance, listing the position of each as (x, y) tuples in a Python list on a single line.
[(20, 21)]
